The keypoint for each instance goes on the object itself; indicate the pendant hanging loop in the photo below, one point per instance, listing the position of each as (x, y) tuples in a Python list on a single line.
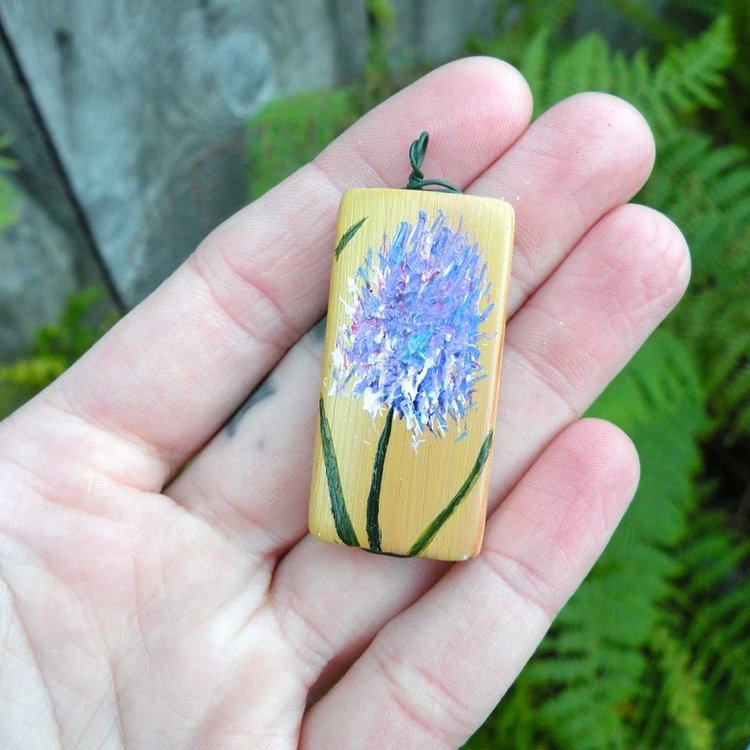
[(417, 152)]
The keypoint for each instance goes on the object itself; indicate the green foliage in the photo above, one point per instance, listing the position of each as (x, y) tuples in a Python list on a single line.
[(8, 214), (580, 689), (519, 23), (706, 190), (652, 650), (681, 19), (288, 133), (382, 20), (679, 695), (687, 78), (697, 672), (703, 187), (75, 331), (57, 346)]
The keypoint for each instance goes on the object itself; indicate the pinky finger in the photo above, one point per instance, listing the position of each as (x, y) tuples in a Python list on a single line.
[(432, 675)]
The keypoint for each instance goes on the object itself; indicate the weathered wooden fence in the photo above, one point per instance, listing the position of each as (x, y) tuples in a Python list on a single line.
[(128, 119)]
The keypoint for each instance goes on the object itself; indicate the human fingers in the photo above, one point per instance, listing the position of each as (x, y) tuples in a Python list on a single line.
[(168, 375), (432, 675), (585, 156), (563, 347)]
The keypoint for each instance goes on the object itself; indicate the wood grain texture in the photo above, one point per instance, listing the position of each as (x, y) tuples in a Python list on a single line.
[(46, 255), (430, 498), (147, 106)]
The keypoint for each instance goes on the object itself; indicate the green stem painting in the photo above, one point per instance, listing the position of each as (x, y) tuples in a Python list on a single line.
[(341, 518)]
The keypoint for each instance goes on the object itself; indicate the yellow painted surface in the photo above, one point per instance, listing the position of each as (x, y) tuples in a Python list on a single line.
[(417, 483)]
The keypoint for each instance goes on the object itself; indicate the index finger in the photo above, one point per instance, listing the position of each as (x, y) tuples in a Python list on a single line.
[(165, 378)]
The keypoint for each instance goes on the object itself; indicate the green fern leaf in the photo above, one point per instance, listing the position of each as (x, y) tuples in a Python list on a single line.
[(602, 677), (690, 75), (534, 64), (586, 676), (702, 646)]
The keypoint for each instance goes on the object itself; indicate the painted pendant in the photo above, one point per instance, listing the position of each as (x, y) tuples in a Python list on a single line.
[(411, 368)]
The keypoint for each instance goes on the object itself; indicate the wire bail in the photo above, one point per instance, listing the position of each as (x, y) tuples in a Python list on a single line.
[(417, 181)]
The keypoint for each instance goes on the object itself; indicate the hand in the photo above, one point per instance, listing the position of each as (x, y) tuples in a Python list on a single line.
[(145, 610)]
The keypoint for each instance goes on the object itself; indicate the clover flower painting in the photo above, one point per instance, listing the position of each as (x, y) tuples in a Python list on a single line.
[(414, 317), (411, 341)]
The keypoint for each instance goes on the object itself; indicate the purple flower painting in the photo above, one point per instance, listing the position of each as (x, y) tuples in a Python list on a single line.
[(411, 340)]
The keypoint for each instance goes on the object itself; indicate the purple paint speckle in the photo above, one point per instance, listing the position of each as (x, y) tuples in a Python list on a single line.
[(412, 335)]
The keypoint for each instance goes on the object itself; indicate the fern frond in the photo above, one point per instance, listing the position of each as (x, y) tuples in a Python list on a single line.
[(584, 67), (705, 189), (680, 689), (615, 670), (690, 74), (689, 77), (702, 644), (534, 64), (569, 712), (587, 673)]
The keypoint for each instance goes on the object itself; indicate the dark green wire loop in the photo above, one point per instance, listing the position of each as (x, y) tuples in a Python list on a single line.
[(417, 152)]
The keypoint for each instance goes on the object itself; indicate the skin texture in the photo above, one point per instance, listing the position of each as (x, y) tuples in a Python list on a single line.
[(143, 610)]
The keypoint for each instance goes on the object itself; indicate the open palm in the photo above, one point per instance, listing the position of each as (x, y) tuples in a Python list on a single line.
[(142, 610)]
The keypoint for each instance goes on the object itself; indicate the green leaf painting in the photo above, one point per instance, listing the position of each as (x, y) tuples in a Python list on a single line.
[(341, 519), (373, 498), (347, 237), (429, 533)]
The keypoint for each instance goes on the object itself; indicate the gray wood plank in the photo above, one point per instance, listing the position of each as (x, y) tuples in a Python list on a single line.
[(45, 256), (147, 105), (433, 31)]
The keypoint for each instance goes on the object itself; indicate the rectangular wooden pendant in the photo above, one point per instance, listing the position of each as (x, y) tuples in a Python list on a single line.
[(411, 368)]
